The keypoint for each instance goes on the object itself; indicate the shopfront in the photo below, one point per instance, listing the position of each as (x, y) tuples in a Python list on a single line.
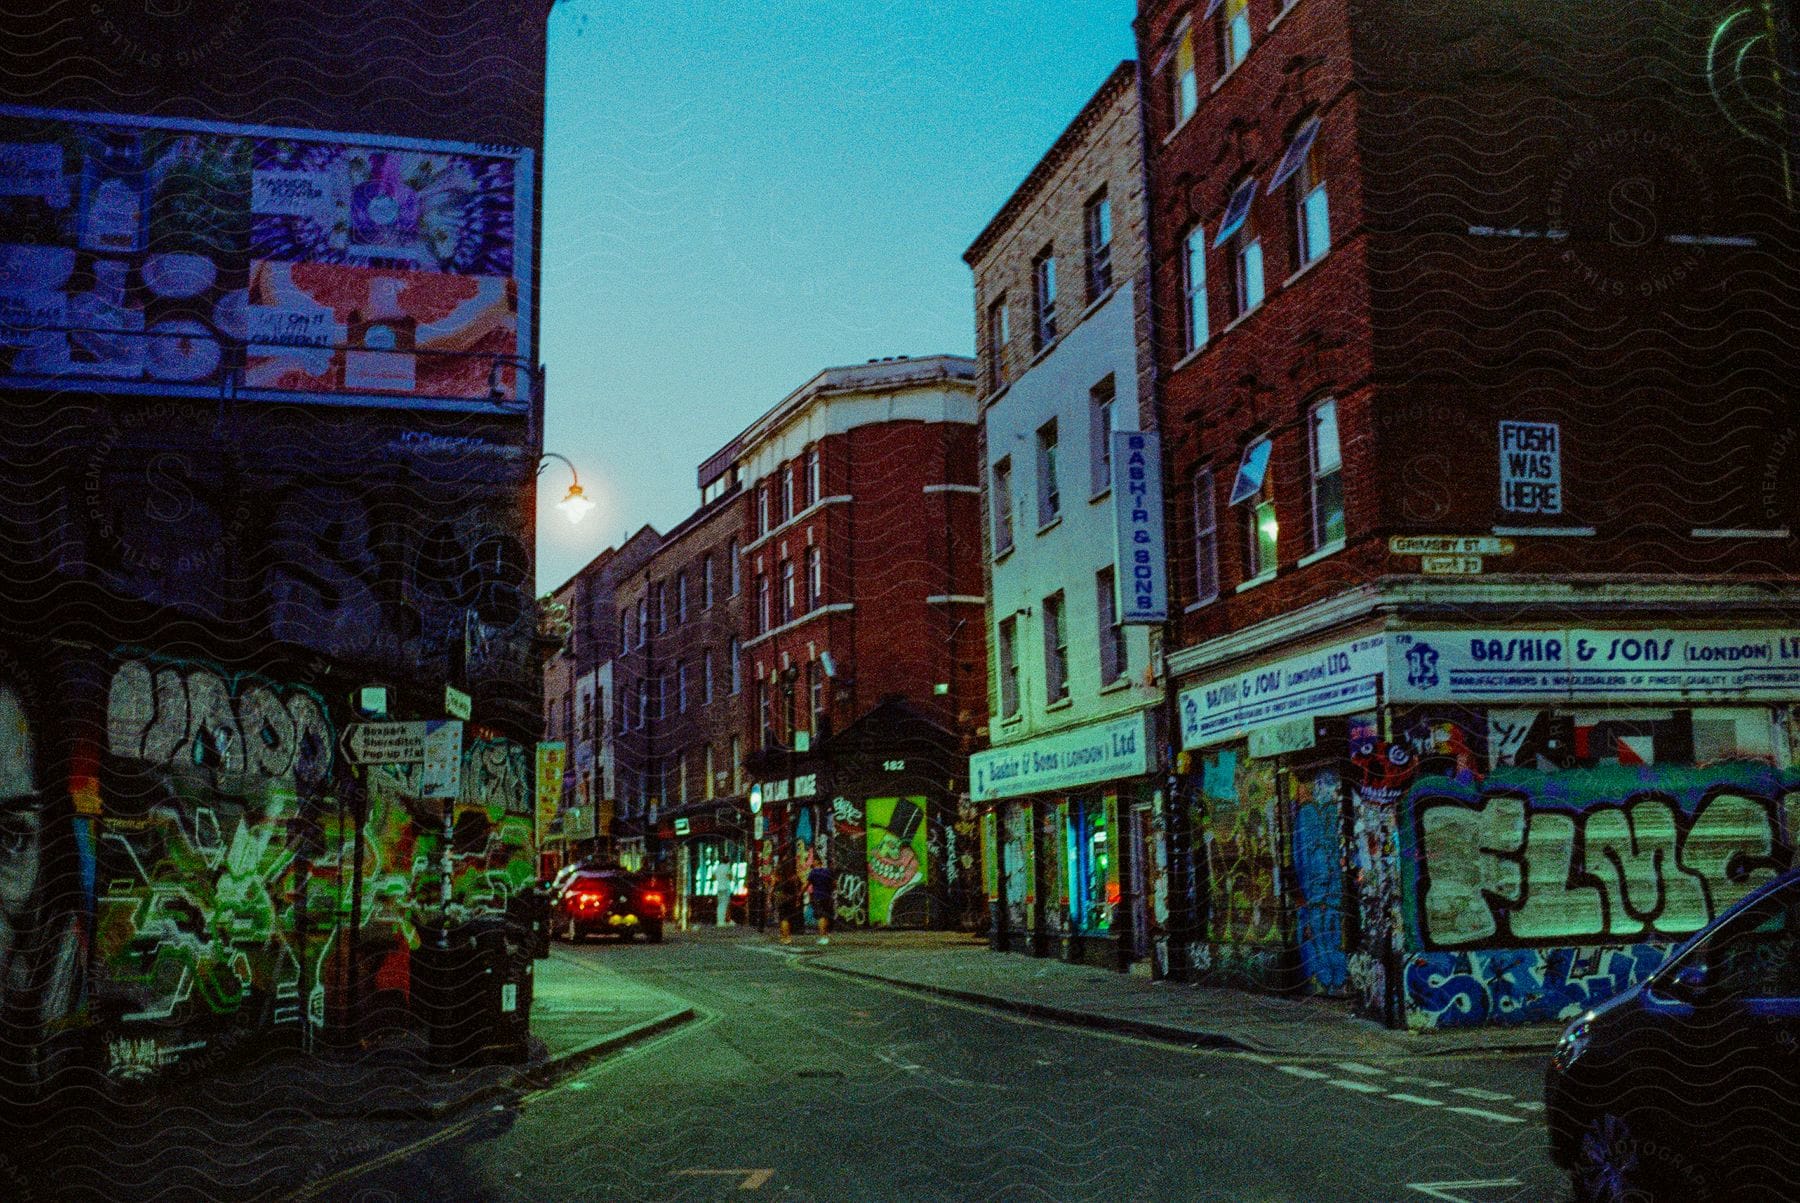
[(1070, 816), (1472, 826)]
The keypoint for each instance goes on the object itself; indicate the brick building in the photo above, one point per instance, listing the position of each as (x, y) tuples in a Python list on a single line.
[(863, 634), (1069, 783), (1469, 346)]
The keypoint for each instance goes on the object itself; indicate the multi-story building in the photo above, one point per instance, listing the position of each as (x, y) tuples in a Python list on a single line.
[(863, 650), (629, 753), (272, 400), (1070, 780), (1471, 353)]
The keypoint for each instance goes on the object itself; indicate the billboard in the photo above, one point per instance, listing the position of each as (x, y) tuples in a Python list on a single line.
[(183, 257)]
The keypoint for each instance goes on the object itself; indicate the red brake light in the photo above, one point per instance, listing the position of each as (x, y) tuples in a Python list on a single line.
[(652, 896)]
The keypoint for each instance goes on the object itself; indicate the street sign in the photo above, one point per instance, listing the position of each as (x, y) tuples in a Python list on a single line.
[(385, 743), (1450, 565), (457, 704), (682, 827), (1449, 545)]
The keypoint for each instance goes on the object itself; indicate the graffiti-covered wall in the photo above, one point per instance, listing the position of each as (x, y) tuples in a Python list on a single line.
[(1534, 890), (1241, 844)]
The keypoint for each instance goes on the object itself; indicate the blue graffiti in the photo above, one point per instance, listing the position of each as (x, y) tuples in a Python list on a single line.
[(1319, 877), (1521, 985)]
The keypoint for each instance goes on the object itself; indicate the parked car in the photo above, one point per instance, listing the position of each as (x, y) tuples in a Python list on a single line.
[(1687, 1086), (607, 901)]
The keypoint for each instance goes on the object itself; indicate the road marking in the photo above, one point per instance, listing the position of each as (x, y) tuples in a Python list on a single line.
[(1300, 1071), (1352, 1084), (1440, 1190), (1528, 1106), (753, 1179), (1498, 1117), (1486, 1096), (1416, 1099), (1356, 1067), (1408, 1080)]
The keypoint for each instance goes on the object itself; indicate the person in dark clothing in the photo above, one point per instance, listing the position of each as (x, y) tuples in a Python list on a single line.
[(787, 900), (820, 881)]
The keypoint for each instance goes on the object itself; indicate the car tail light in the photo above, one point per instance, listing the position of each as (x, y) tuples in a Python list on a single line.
[(590, 900)]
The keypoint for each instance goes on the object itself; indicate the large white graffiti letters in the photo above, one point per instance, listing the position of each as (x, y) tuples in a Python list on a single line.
[(1506, 871), (239, 733)]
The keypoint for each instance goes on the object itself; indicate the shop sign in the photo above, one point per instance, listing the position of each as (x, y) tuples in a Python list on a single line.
[(1339, 679), (552, 757), (441, 776), (1626, 664), (1098, 752), (682, 826), (1278, 739), (1450, 565), (800, 787), (1141, 575), (578, 823)]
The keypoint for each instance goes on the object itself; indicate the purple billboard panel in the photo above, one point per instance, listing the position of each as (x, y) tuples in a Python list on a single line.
[(145, 255)]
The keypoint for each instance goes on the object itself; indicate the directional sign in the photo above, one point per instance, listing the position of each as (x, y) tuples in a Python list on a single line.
[(385, 743), (1450, 565), (1449, 545)]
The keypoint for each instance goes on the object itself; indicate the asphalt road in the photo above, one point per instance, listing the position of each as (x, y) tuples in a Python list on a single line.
[(800, 1084)]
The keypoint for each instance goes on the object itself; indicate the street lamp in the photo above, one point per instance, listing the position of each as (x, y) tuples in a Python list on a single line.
[(575, 503)]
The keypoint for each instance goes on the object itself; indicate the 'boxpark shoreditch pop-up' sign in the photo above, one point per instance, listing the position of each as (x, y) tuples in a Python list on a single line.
[(149, 255)]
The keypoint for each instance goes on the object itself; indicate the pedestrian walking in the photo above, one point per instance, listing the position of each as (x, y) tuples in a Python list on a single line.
[(787, 900), (722, 881), (819, 882)]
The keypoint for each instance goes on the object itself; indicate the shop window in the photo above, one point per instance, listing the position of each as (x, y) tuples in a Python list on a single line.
[(1089, 852)]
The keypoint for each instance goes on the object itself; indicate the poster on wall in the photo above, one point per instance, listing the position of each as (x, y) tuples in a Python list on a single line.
[(175, 257), (897, 859), (552, 755)]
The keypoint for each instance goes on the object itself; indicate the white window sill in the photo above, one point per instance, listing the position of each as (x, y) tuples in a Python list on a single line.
[(1000, 391), (1102, 495), (1004, 553), (1122, 683), (1043, 352), (1282, 15), (789, 523), (1566, 532), (1231, 71), (1010, 721), (1201, 605), (1708, 532), (1062, 703), (1190, 357), (1245, 316), (1050, 525), (1098, 301), (1330, 549), (1255, 582), (1185, 122), (1309, 265)]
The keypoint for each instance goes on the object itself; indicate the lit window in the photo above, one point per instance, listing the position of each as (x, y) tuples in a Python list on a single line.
[(1056, 650), (1193, 290), (1098, 224), (1206, 539), (1043, 295), (1049, 497), (1009, 668), (1181, 80), (1001, 501), (1312, 210), (1327, 477), (1100, 428), (1234, 32), (1254, 496), (1111, 631)]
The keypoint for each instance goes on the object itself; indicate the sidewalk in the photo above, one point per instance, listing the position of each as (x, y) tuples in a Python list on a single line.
[(957, 965), (255, 1130)]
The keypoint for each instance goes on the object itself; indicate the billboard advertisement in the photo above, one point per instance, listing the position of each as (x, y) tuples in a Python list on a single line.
[(181, 257)]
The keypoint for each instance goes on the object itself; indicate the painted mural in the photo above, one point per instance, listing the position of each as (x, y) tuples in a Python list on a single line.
[(1380, 773), (849, 862), (898, 861), (1317, 825), (1242, 849), (1534, 891)]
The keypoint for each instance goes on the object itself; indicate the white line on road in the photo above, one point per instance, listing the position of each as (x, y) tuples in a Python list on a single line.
[(1486, 1096), (1528, 1106), (1356, 1067), (1497, 1116), (1439, 1190), (1300, 1071), (1416, 1099), (1352, 1084)]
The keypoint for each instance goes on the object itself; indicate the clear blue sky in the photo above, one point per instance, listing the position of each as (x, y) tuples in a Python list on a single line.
[(739, 193)]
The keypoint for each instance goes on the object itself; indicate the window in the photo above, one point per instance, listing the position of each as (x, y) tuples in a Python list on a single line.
[(1234, 33), (1193, 290), (681, 598), (1206, 539), (1001, 501), (815, 579), (706, 675), (1327, 477), (764, 719), (661, 601), (788, 599), (1056, 649), (1009, 668), (643, 620), (762, 508), (999, 334), (1043, 297), (815, 478), (1100, 426), (732, 559), (708, 789), (1098, 223), (1112, 632), (624, 629), (764, 613), (643, 713), (1312, 212), (815, 677), (1255, 498), (737, 763), (681, 690), (1049, 498), (681, 780), (662, 695), (706, 582), (734, 654), (1238, 231), (1181, 79), (787, 492)]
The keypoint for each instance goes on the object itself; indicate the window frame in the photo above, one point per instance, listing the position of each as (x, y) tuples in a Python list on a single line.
[(815, 578), (999, 335), (1097, 237), (1110, 632), (734, 554), (1196, 316), (1049, 485), (1103, 400), (1043, 298), (1000, 502), (1006, 637), (1056, 648), (1233, 17), (1319, 474), (1251, 510), (1206, 535), (708, 585), (1183, 85)]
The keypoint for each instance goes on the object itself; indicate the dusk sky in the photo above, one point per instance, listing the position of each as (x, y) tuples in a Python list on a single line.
[(740, 193)]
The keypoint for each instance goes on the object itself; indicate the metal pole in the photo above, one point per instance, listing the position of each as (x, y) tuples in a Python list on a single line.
[(359, 809)]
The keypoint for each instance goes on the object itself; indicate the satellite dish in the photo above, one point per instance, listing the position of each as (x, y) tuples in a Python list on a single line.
[(828, 664)]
